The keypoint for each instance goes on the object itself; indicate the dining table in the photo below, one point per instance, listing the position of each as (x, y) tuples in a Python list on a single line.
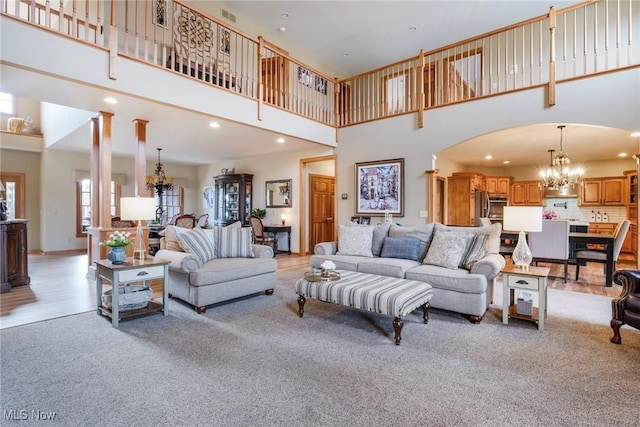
[(598, 239)]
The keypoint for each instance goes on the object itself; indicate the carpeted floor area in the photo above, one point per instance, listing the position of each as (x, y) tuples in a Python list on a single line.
[(255, 362)]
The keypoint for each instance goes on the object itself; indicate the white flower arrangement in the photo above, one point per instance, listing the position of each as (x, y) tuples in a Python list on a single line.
[(328, 265)]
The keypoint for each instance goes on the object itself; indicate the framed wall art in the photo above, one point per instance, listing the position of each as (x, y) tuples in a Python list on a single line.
[(209, 196), (159, 13), (305, 77), (225, 40), (380, 187), (321, 85)]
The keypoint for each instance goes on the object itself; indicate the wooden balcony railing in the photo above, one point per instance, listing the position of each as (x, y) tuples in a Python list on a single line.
[(586, 39)]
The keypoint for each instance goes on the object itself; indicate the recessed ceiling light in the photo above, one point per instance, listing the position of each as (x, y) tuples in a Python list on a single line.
[(413, 28), (282, 29), (634, 134), (285, 15), (280, 140), (488, 157), (506, 162), (214, 125), (623, 154), (110, 100)]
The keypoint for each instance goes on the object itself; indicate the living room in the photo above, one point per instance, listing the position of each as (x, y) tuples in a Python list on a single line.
[(254, 361)]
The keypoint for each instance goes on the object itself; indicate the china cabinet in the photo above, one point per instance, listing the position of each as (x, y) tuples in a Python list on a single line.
[(233, 198), (14, 269)]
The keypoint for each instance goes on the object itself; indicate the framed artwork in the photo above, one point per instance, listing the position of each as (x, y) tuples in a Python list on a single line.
[(209, 196), (380, 187), (225, 40), (159, 13), (362, 220), (305, 77), (321, 85)]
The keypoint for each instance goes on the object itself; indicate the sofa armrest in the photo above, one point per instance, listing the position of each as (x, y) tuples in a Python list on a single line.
[(325, 248), (489, 266), (180, 261), (262, 251)]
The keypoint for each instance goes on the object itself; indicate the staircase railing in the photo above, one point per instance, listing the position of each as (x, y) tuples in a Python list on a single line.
[(582, 40)]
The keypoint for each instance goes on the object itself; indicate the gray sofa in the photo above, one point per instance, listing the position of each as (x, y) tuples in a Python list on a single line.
[(219, 279), (465, 289)]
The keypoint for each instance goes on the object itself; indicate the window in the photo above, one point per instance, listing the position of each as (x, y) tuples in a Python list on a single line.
[(83, 204), (172, 202), (7, 104), (395, 88), (13, 195)]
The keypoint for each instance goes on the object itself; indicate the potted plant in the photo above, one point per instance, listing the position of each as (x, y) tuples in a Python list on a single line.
[(260, 213), (118, 242)]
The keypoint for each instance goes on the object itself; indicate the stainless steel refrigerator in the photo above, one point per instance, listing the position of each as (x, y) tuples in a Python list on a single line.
[(489, 207)]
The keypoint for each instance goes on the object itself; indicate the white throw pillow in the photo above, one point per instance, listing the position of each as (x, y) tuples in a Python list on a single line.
[(171, 239), (355, 240), (446, 249), (196, 242), (234, 242)]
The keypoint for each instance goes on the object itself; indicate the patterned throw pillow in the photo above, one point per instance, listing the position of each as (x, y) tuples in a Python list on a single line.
[(401, 247), (170, 237), (446, 249), (234, 242), (474, 251), (355, 240), (196, 242)]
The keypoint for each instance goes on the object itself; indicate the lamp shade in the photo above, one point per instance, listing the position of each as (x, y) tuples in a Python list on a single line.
[(522, 218), (137, 208)]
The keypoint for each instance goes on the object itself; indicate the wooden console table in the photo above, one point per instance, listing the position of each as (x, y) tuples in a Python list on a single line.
[(275, 229)]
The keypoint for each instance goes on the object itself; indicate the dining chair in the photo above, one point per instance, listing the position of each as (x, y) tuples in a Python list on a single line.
[(484, 221), (259, 235), (186, 221), (551, 244), (594, 255)]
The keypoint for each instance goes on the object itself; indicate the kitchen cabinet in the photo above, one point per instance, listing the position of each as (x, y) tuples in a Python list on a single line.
[(461, 197), (603, 191), (233, 198), (526, 193), (632, 187), (498, 185)]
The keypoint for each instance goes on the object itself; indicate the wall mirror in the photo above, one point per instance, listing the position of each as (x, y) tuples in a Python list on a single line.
[(278, 193)]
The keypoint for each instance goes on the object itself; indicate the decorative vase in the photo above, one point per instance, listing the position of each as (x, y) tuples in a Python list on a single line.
[(117, 255)]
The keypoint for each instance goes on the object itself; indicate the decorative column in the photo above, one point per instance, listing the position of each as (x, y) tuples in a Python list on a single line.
[(141, 161)]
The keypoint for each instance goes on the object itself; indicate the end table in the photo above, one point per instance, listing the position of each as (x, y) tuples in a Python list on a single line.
[(532, 279)]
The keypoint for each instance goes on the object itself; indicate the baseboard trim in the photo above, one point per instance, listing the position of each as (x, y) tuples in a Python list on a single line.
[(63, 252)]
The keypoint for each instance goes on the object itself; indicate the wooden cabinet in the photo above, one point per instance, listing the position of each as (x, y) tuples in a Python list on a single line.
[(498, 185), (603, 192), (233, 198), (14, 270), (526, 193), (461, 197), (632, 187), (631, 240)]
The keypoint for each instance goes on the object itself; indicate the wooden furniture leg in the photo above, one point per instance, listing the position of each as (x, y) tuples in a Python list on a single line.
[(425, 312), (398, 323), (615, 325), (301, 301)]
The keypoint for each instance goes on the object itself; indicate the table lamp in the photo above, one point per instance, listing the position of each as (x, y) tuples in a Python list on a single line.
[(522, 219), (138, 209), (283, 217)]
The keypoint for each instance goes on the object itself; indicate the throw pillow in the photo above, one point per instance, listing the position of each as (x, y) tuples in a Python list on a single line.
[(401, 247), (380, 232), (355, 240), (234, 242), (475, 250), (171, 239), (196, 242), (446, 249), (422, 232)]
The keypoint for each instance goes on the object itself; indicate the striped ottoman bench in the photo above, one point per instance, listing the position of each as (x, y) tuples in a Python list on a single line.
[(369, 292)]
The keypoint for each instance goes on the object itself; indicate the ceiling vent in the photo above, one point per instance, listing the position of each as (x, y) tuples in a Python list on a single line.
[(228, 15)]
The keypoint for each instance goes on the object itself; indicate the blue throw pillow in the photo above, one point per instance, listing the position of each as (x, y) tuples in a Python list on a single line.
[(401, 247)]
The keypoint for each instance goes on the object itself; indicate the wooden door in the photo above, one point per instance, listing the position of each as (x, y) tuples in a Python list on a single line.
[(275, 78), (321, 209), (459, 197), (14, 194)]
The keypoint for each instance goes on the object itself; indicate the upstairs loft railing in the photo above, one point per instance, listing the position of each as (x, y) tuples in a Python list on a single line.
[(586, 39)]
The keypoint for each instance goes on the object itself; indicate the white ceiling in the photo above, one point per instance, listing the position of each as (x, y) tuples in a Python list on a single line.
[(374, 33)]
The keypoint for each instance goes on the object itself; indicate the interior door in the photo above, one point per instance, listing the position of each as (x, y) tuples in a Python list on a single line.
[(321, 209), (14, 194)]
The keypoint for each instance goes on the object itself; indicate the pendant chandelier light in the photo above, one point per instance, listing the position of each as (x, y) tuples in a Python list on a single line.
[(160, 183), (560, 175)]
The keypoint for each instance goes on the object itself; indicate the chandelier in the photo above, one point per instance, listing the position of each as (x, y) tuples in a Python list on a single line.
[(160, 183), (560, 175)]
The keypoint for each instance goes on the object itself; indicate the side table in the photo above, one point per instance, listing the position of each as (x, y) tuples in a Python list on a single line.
[(532, 279), (132, 270)]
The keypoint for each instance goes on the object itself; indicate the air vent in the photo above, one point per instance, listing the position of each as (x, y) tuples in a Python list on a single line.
[(228, 15)]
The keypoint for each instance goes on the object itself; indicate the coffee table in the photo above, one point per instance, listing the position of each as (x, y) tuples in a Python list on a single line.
[(368, 292)]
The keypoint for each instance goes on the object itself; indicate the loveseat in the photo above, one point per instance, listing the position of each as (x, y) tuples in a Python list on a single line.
[(460, 263), (212, 265)]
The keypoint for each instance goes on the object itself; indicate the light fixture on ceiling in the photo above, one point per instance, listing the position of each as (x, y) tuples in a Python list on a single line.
[(110, 100), (214, 125), (280, 140), (560, 175), (160, 183)]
